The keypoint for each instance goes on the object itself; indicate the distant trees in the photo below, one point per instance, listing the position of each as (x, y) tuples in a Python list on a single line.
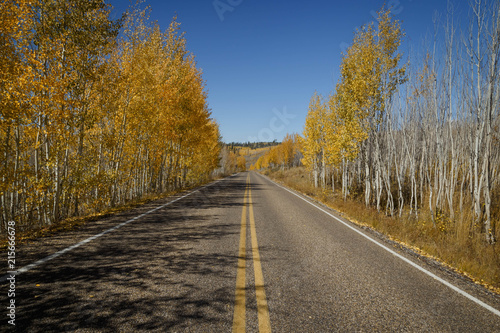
[(89, 119), (232, 160), (421, 137), (252, 145), (284, 155), (241, 163)]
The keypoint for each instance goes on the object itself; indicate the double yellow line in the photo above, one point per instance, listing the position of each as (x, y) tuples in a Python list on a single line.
[(239, 307)]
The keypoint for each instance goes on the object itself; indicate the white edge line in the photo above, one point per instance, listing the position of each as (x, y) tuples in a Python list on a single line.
[(446, 283), (87, 240)]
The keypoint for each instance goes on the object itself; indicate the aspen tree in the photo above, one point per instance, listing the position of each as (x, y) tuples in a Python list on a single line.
[(16, 82), (313, 137), (89, 121)]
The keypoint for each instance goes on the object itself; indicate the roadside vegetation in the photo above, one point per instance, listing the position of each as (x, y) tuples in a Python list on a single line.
[(96, 113), (237, 157), (411, 148), (467, 254)]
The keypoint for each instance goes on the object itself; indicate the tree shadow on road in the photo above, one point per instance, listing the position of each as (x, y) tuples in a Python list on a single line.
[(173, 269)]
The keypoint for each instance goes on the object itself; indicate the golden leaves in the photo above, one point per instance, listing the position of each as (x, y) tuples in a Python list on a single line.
[(314, 132), (89, 120), (370, 73), (281, 155)]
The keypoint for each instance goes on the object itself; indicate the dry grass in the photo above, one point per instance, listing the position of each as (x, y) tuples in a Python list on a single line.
[(451, 243)]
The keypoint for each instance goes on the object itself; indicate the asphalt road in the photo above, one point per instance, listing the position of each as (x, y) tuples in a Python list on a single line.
[(239, 254)]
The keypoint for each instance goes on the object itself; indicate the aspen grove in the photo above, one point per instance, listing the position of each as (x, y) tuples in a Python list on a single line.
[(95, 112), (420, 136)]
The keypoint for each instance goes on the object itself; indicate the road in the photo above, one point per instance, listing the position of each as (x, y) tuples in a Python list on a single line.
[(242, 254)]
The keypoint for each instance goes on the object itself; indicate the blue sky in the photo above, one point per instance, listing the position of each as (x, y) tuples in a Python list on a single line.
[(263, 60)]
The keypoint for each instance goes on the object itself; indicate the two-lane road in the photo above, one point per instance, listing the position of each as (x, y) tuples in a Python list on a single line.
[(240, 254)]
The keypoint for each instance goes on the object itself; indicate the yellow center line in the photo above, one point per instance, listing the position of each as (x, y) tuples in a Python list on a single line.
[(260, 294), (262, 309), (239, 304)]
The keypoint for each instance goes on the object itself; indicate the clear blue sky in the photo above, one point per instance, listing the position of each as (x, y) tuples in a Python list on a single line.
[(263, 60)]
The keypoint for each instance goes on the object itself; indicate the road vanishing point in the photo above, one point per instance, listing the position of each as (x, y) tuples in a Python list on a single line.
[(242, 254)]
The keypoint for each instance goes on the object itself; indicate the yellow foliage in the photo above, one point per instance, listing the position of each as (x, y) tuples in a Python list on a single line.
[(241, 163), (282, 155), (89, 120), (313, 140)]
